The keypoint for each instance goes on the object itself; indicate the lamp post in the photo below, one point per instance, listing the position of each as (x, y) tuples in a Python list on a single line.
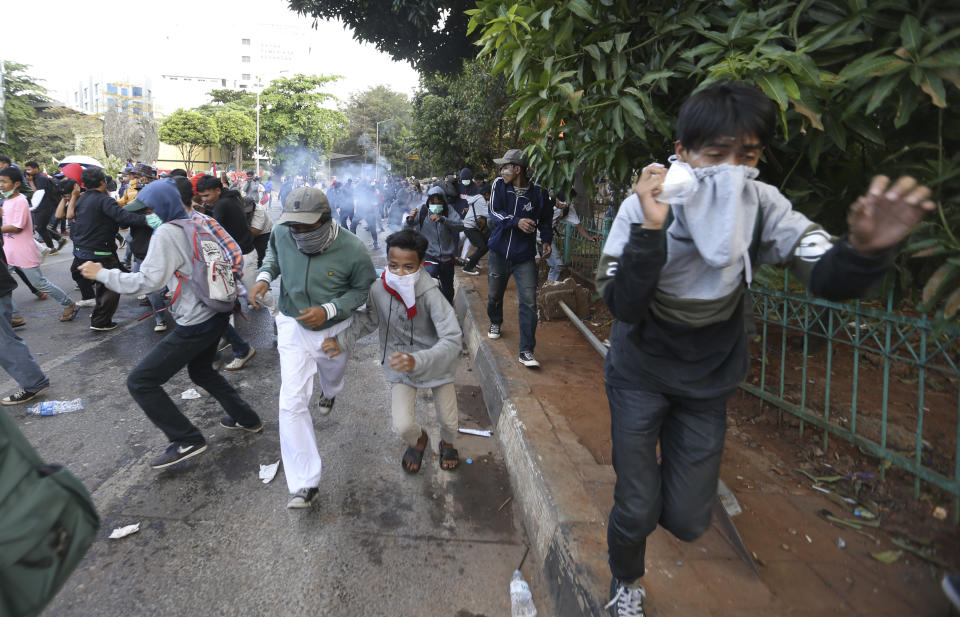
[(378, 147), (259, 90)]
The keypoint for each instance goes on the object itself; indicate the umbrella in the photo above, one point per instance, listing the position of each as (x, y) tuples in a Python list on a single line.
[(82, 160)]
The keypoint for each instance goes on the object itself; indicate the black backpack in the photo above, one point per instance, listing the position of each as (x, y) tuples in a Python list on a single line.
[(47, 523)]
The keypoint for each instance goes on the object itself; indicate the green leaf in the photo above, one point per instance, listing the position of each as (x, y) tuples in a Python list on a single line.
[(593, 50), (632, 108), (773, 87), (617, 121), (938, 41), (621, 40), (910, 33), (652, 76), (881, 91), (582, 10), (545, 18), (835, 131), (933, 86), (873, 64), (790, 86), (606, 46)]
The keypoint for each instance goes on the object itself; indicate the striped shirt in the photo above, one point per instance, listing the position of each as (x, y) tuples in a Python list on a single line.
[(230, 247)]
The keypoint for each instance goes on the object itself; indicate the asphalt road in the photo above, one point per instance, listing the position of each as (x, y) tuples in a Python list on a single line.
[(215, 540)]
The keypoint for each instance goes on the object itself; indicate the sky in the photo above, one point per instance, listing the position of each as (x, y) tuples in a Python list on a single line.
[(107, 38)]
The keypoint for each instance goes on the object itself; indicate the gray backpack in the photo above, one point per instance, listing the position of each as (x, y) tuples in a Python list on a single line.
[(211, 277)]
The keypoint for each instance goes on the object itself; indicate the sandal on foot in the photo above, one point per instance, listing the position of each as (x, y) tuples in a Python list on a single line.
[(414, 456), (448, 454)]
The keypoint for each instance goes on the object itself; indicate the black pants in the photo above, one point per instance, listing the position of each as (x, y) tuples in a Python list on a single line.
[(479, 240), (107, 299), (679, 492), (260, 244), (194, 347), (26, 281), (41, 220), (444, 275)]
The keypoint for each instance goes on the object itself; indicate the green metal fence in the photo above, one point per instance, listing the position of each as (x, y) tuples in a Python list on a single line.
[(884, 380)]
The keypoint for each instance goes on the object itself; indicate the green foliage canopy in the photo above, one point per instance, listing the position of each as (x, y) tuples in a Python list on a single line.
[(295, 123), (190, 132), (235, 129), (430, 34), (364, 110), (22, 94), (861, 88)]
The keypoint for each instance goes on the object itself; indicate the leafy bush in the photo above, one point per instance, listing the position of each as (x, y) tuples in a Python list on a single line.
[(862, 88)]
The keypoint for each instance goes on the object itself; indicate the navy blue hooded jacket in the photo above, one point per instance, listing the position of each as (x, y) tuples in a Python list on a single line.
[(506, 209)]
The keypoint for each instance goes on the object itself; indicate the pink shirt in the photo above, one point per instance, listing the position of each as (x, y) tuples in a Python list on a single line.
[(19, 247)]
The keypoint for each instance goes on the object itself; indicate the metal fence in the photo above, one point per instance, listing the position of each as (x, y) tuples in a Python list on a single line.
[(884, 380)]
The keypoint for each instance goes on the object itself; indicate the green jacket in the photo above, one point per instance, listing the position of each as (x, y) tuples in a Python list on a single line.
[(337, 279)]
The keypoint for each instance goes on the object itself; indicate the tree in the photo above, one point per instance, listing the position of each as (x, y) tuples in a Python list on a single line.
[(190, 132), (430, 34), (364, 109), (21, 97), (462, 119), (861, 89), (297, 129), (236, 131)]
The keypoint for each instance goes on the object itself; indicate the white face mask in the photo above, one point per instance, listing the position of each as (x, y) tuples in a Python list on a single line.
[(404, 285)]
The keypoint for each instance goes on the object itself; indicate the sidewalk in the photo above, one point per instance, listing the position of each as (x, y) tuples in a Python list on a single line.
[(546, 420)]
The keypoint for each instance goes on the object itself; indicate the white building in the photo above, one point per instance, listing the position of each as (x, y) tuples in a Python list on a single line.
[(96, 95)]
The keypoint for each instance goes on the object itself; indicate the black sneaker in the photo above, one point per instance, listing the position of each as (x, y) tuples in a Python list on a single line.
[(176, 452), (494, 331), (228, 422), (470, 271), (303, 498), (626, 601), (21, 396), (110, 326), (326, 405), (527, 359)]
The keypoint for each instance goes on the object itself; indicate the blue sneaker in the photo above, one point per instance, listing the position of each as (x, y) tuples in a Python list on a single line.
[(176, 452)]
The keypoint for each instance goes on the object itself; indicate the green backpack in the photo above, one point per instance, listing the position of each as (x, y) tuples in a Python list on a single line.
[(47, 523)]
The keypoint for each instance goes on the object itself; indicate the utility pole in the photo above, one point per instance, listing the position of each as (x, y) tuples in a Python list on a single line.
[(378, 146)]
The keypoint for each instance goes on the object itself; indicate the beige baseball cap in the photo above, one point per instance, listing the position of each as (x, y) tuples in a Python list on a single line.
[(304, 206)]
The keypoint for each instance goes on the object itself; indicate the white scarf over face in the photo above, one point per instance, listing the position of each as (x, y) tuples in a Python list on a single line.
[(718, 214), (403, 286)]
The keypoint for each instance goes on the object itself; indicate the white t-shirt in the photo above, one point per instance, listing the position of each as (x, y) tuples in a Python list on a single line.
[(571, 217)]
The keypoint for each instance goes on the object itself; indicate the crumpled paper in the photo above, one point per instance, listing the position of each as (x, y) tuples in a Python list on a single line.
[(123, 532), (269, 472), (190, 394), (476, 431)]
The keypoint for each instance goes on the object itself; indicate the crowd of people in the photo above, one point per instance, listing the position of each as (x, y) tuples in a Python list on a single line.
[(674, 272)]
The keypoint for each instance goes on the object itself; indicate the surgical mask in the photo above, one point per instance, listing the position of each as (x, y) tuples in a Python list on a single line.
[(436, 208), (154, 221), (465, 182), (317, 240), (7, 194)]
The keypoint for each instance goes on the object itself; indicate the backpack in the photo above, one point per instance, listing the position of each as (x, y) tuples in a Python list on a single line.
[(47, 523), (211, 277)]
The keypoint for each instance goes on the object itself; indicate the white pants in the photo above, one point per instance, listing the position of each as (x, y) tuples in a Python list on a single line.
[(300, 359)]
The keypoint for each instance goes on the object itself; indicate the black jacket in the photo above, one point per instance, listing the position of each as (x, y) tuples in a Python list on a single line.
[(98, 218), (229, 213), (51, 196)]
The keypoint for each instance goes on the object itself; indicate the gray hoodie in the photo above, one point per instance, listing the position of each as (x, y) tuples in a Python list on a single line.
[(169, 252), (443, 236), (432, 337)]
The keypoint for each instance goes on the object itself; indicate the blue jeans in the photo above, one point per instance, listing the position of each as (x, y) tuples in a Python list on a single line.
[(240, 347), (555, 261), (195, 348), (36, 278), (15, 357), (677, 494), (525, 277)]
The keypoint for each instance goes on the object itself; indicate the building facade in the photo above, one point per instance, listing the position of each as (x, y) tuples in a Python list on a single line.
[(97, 95)]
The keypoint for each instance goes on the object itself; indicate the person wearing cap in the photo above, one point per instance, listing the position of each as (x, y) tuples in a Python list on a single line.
[(518, 210), (564, 213), (252, 188), (325, 274), (475, 217), (97, 218), (193, 343)]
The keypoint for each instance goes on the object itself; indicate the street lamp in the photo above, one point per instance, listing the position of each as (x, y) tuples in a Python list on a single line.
[(378, 146), (259, 90)]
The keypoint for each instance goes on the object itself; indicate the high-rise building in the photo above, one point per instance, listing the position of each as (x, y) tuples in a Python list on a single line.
[(97, 95)]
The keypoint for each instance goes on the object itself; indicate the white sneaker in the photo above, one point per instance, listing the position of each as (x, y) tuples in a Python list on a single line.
[(87, 303), (237, 363), (527, 359), (303, 498), (160, 327), (326, 405)]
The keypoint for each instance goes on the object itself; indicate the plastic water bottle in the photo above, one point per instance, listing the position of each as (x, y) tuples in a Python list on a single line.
[(521, 600), (52, 408)]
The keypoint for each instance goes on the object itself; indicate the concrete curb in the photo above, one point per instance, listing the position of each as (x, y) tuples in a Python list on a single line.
[(545, 462)]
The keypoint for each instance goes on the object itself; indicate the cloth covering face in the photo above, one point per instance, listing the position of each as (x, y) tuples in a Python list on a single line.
[(402, 287)]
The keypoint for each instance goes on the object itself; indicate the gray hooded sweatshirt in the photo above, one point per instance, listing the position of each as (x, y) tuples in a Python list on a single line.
[(432, 337), (443, 236)]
